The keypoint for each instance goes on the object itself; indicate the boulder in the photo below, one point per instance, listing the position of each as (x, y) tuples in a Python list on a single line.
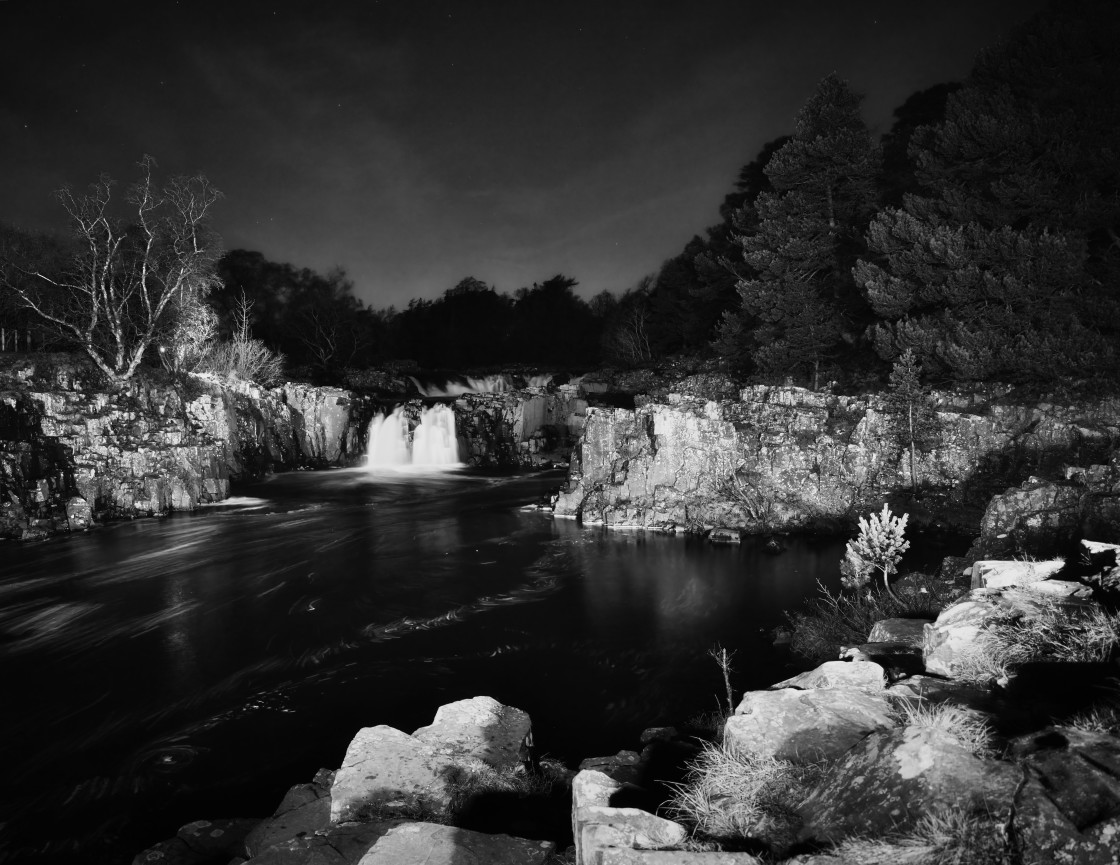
[(1060, 589), (629, 856), (1068, 809), (884, 785), (897, 631), (589, 788), (602, 827), (385, 767), (998, 574), (1038, 516), (199, 843), (898, 660), (304, 810), (866, 675), (79, 515), (344, 844), (806, 726), (480, 728), (436, 844), (950, 642)]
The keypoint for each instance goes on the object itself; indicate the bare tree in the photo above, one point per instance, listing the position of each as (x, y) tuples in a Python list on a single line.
[(127, 279)]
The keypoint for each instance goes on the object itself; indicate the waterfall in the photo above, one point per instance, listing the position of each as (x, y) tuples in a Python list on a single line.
[(462, 384), (433, 445)]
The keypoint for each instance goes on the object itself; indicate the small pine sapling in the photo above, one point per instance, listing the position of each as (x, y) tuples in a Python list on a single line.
[(880, 544), (911, 415)]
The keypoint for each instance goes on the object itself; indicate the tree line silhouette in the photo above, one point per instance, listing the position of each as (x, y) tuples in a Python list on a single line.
[(979, 237)]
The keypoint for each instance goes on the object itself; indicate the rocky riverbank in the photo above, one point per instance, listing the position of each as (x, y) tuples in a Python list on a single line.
[(786, 458), (1017, 756), (75, 452)]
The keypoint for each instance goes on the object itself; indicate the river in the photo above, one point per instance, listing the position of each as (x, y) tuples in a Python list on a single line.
[(165, 670)]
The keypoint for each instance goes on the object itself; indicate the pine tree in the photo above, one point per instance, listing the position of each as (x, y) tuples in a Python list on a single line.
[(880, 544), (809, 234), (1006, 265), (911, 415)]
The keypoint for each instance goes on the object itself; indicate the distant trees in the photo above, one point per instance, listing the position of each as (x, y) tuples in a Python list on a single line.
[(800, 298), (314, 320), (125, 281)]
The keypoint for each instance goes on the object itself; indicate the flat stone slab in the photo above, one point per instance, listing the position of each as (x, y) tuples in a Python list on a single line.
[(999, 574), (199, 843), (839, 674), (628, 827), (806, 726), (384, 766), (624, 856), (436, 844), (344, 844), (898, 631), (889, 781), (481, 728), (304, 810)]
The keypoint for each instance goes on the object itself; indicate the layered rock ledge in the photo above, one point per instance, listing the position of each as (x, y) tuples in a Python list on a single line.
[(786, 458)]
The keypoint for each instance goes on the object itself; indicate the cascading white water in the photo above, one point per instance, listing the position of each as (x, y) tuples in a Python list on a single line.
[(466, 384), (434, 444), (387, 441)]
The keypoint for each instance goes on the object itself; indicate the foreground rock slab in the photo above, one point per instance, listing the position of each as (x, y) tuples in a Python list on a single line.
[(480, 728), (806, 726), (304, 810), (884, 785), (386, 770), (385, 767), (436, 844), (1068, 809), (866, 675)]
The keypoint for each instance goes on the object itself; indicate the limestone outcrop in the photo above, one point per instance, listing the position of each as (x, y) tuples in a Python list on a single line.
[(527, 428), (73, 451), (786, 458)]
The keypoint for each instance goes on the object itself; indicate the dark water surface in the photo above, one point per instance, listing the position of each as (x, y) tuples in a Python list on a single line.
[(162, 671)]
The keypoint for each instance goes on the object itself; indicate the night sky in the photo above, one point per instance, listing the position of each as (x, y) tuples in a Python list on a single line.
[(416, 143)]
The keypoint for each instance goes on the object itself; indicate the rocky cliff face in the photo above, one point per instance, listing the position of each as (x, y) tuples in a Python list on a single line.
[(73, 451), (527, 428), (782, 458)]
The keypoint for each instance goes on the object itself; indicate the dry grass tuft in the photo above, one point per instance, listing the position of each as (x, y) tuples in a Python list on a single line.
[(965, 725), (733, 794)]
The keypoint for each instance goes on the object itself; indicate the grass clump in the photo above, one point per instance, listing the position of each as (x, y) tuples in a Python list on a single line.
[(1055, 634), (731, 795), (845, 618), (1102, 717), (967, 726), (945, 836)]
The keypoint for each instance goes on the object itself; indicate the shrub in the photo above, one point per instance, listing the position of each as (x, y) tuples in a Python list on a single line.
[(879, 544), (243, 357), (829, 620)]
